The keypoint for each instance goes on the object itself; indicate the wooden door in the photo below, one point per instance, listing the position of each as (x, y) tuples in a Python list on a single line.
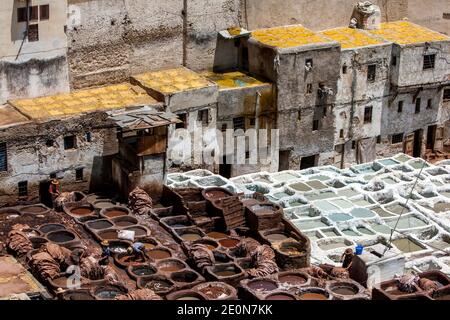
[(408, 146)]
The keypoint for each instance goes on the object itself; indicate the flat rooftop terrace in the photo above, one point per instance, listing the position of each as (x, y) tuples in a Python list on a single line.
[(10, 116), (350, 38), (232, 80)]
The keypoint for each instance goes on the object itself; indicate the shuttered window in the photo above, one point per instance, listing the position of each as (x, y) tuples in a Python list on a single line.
[(3, 157)]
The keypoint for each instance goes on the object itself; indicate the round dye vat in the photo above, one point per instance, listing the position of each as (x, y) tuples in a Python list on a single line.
[(343, 288), (190, 236), (225, 270), (99, 224), (339, 217), (115, 213), (216, 194), (290, 248), (217, 235), (77, 295), (280, 296), (159, 254), (123, 224), (142, 270), (312, 296), (108, 234), (441, 207), (118, 247), (188, 298), (9, 214), (157, 284), (81, 211), (170, 266), (229, 243), (211, 245), (104, 204), (130, 260), (34, 209), (362, 213), (292, 279), (46, 228), (184, 276), (60, 236), (276, 237), (262, 285), (215, 290), (107, 293), (138, 231)]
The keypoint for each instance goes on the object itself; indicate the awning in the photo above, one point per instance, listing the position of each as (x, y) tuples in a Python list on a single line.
[(144, 119)]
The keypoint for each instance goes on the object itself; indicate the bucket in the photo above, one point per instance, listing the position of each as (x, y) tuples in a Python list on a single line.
[(359, 249)]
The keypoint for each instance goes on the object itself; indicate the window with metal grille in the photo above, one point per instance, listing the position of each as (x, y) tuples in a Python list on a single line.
[(44, 12), (368, 114), (447, 94), (203, 116), (22, 14), (79, 174), (239, 123), (23, 188), (418, 102), (183, 124), (88, 137), (309, 88), (3, 157), (33, 33), (316, 125), (397, 138), (428, 61), (69, 142), (371, 72), (34, 13), (429, 104), (224, 127), (400, 107)]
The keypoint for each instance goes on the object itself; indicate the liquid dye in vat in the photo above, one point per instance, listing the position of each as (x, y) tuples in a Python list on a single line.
[(344, 204), (323, 205), (381, 228), (350, 232), (362, 213), (339, 217), (280, 195), (406, 245), (284, 177), (388, 162), (389, 180), (333, 244), (397, 208), (364, 230), (381, 212), (418, 164), (316, 184), (300, 186), (310, 224), (330, 233), (320, 195), (402, 158), (361, 202), (347, 193), (407, 222), (320, 177)]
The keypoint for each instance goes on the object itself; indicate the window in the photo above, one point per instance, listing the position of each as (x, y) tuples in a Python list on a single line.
[(418, 102), (44, 12), (378, 139), (353, 145), (368, 114), (299, 115), (309, 64), (69, 142), (3, 157), (309, 88), (79, 174), (394, 60), (446, 94), (34, 13), (49, 143), (203, 116), (397, 138), (371, 72), (22, 14), (88, 137), (23, 188), (315, 125), (239, 123), (428, 61), (224, 127), (252, 121), (33, 33), (429, 104), (183, 118), (341, 133), (400, 107), (344, 69)]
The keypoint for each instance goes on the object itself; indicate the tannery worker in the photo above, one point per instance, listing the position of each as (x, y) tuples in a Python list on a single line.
[(106, 253), (347, 258), (54, 189), (138, 250)]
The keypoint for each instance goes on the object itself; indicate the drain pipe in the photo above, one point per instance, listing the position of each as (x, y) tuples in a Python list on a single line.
[(257, 109), (352, 105)]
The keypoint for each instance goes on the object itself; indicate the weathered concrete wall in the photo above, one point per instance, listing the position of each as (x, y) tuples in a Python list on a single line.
[(30, 159), (430, 14)]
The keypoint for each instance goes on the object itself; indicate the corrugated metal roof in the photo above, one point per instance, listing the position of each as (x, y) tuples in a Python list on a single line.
[(144, 118)]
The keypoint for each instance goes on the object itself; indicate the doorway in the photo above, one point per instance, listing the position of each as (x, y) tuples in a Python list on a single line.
[(431, 137), (225, 168), (417, 149), (308, 162), (283, 160), (44, 195)]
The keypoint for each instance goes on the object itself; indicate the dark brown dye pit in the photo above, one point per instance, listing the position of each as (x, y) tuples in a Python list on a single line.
[(280, 297), (312, 296), (51, 227), (171, 266), (81, 211), (292, 279), (34, 209), (138, 232), (190, 236), (229, 243), (60, 236), (214, 292), (188, 298), (115, 213), (262, 286), (101, 224), (124, 223), (143, 270), (78, 296), (217, 235), (276, 237), (184, 276), (109, 235), (158, 285), (346, 291), (131, 260), (158, 254), (225, 273), (216, 194)]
